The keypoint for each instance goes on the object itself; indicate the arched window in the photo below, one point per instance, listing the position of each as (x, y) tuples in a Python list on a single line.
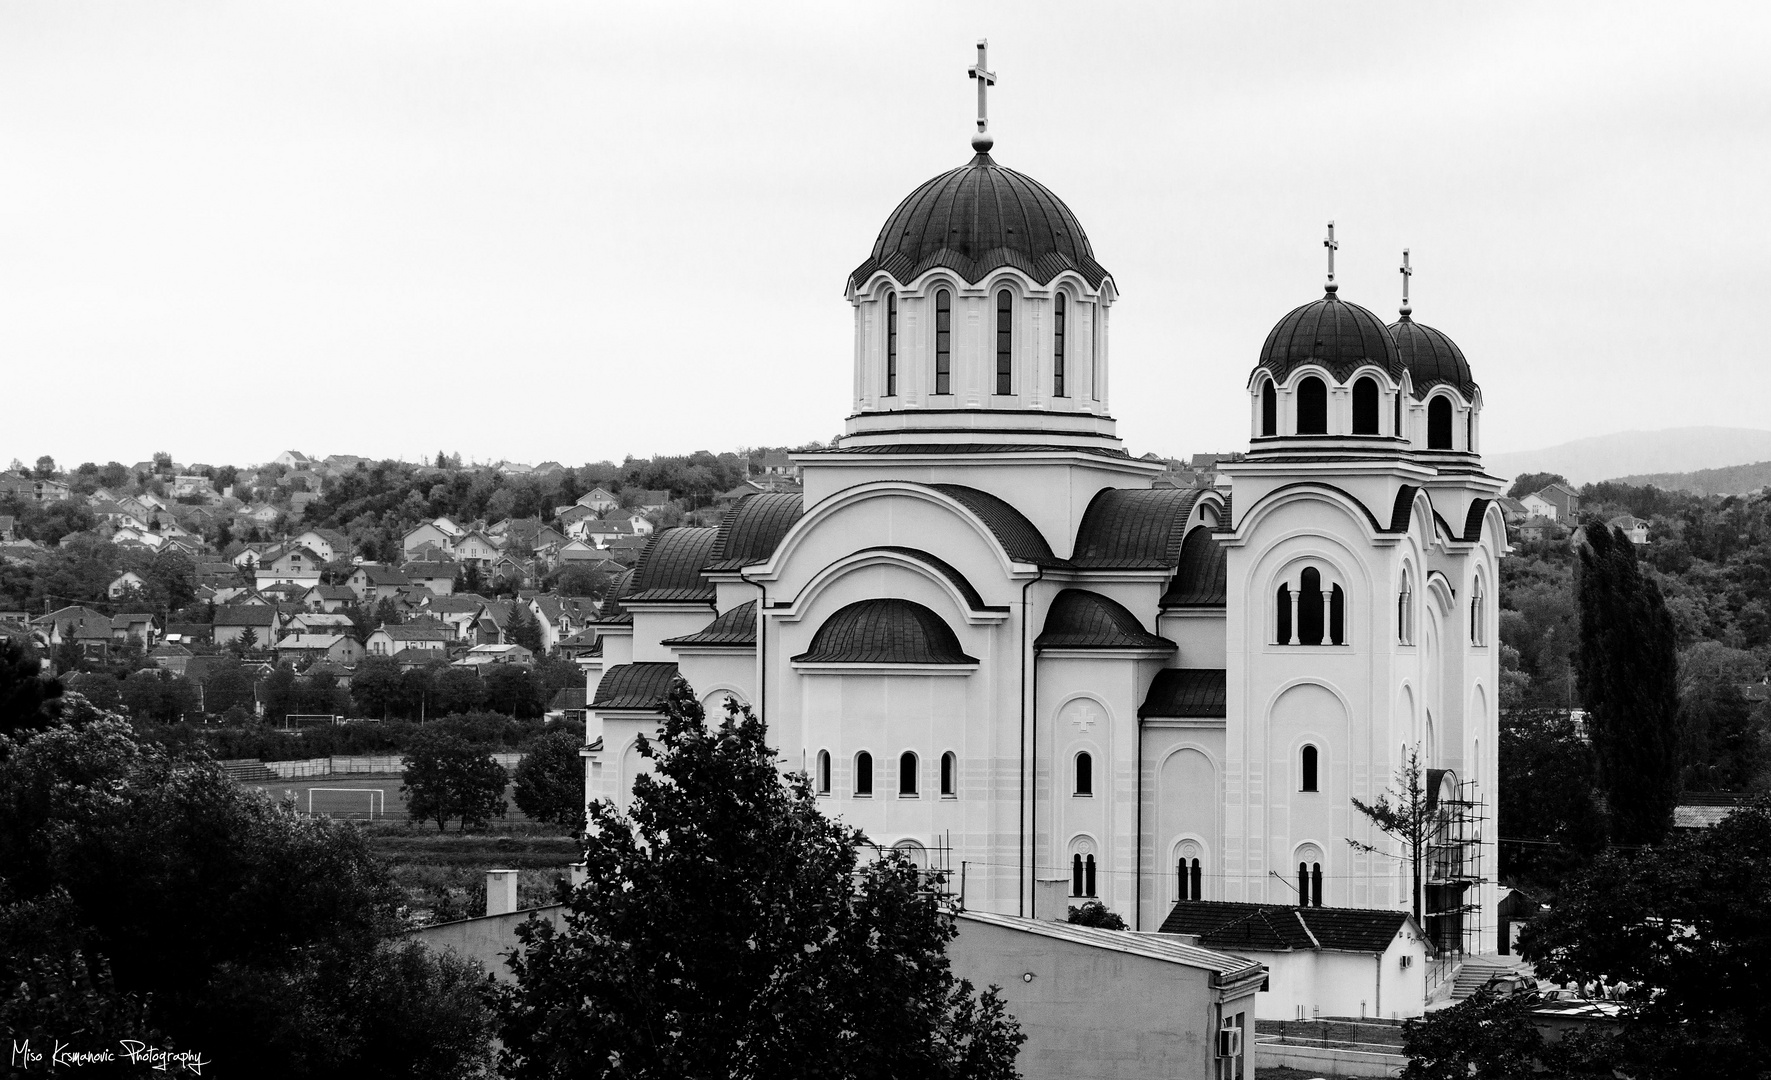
[(1470, 431), (1365, 406), (1396, 424), (1303, 884), (949, 771), (1085, 774), (1404, 600), (1076, 876), (1337, 615), (1282, 601), (1312, 407), (1310, 884), (943, 342), (1188, 880), (1059, 307), (1439, 423), (1088, 875), (1310, 606), (1094, 351), (1005, 342), (823, 772), (1308, 769), (864, 773), (1269, 408), (891, 387), (907, 773), (1315, 884), (1478, 632)]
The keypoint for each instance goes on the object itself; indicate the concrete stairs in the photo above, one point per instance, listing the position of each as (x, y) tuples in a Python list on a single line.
[(246, 770), (1477, 970)]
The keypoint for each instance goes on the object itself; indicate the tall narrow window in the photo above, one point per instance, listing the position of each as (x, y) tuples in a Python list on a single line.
[(1397, 423), (1197, 882), (1308, 768), (1058, 312), (1476, 612), (891, 387), (863, 773), (1269, 408), (907, 773), (1470, 431), (1085, 774), (949, 767), (1076, 876), (1337, 616), (1365, 406), (1303, 884), (1088, 875), (1439, 423), (1094, 351), (1310, 606), (1005, 342), (943, 342), (1312, 406), (823, 772), (1403, 599), (1316, 884), (1282, 629)]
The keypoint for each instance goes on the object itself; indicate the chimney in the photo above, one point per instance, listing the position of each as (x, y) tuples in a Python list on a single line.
[(1051, 899), (579, 874), (501, 892)]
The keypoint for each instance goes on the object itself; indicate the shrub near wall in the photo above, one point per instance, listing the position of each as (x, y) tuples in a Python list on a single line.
[(491, 731)]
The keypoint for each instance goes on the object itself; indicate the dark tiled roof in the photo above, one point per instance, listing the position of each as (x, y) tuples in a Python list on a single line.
[(1403, 510), (736, 628), (383, 575), (568, 697), (1432, 358), (1186, 692), (972, 598), (977, 218), (1020, 538), (1473, 519), (1134, 529), (951, 449), (1203, 577), (753, 526), (1079, 619), (634, 686), (1331, 332), (670, 567), (1271, 927), (884, 631), (612, 612), (245, 615)]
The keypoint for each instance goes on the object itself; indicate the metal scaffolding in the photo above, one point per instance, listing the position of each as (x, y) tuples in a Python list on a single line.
[(1454, 874)]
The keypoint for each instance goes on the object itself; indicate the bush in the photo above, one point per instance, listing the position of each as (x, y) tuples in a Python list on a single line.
[(550, 781), (1096, 914)]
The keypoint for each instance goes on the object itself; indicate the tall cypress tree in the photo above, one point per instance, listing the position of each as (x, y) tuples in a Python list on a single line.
[(1627, 671)]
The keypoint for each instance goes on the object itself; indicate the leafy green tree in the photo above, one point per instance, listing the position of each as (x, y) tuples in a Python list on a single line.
[(556, 675), (446, 777), (1094, 913), (103, 690), (24, 693), (246, 642), (387, 613), (45, 469), (781, 956), (523, 628), (550, 781), (1723, 747), (1527, 483), (228, 686), (459, 690), (1546, 796), (513, 690), (1628, 676), (375, 687), (1682, 932), (1483, 1037), (1403, 814), (580, 580)]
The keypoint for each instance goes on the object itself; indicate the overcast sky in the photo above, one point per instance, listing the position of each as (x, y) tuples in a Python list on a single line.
[(576, 231)]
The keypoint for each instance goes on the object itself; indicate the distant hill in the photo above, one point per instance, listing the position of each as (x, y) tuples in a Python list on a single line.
[(1729, 480), (1639, 454)]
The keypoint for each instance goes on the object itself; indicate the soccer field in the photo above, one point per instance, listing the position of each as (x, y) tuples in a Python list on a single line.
[(358, 798)]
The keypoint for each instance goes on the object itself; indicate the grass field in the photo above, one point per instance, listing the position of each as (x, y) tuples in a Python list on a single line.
[(352, 798)]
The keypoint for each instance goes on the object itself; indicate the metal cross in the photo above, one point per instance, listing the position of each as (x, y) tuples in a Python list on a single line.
[(1406, 274), (1332, 245), (985, 78)]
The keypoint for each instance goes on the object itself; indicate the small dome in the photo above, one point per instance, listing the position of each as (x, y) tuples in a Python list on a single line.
[(1432, 358), (1334, 333), (978, 218), (884, 631)]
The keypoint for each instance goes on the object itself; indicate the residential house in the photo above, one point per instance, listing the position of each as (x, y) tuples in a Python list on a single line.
[(642, 525), (329, 544), (293, 459), (1512, 510), (747, 488), (8, 528), (490, 622), (573, 519), (197, 519), (338, 464), (373, 582), (318, 622), (190, 487), (1537, 528), (173, 658), (262, 515), (328, 598), (216, 572), (441, 531), (247, 557), (457, 612), (233, 620), (601, 533), (560, 617), (62, 624), (133, 629), (340, 673), (188, 633), (140, 539), (549, 469), (598, 500), (294, 564), (1633, 527), (476, 549), (568, 707), (774, 471), (626, 549), (1558, 502), (306, 648), (127, 582), (14, 617), (582, 645), (506, 569), (495, 654), (649, 502), (438, 577), (390, 639)]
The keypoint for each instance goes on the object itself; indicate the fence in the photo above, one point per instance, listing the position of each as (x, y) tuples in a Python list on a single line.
[(358, 765)]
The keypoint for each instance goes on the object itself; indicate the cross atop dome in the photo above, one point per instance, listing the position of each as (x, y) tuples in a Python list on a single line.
[(1333, 246), (981, 142), (1407, 272)]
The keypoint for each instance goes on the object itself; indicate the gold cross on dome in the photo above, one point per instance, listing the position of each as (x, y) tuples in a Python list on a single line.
[(1332, 245), (985, 78)]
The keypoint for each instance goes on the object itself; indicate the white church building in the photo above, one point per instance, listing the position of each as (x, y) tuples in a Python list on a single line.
[(992, 641)]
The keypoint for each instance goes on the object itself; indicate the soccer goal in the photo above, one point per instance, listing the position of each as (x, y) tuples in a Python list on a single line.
[(377, 801), (307, 720)]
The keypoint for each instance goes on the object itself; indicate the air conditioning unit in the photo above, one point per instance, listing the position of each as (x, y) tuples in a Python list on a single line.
[(1229, 1041)]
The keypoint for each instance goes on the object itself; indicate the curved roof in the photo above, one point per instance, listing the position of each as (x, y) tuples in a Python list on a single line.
[(612, 611), (1020, 538), (1079, 619), (1199, 693), (1203, 577), (1432, 358), (634, 686), (736, 628), (975, 219), (1131, 528), (1334, 333), (940, 566), (886, 630), (669, 569), (753, 526)]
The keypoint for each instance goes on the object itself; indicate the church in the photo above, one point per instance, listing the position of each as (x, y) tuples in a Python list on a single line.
[(993, 640)]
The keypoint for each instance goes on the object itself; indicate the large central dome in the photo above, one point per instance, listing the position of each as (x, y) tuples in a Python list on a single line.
[(978, 218)]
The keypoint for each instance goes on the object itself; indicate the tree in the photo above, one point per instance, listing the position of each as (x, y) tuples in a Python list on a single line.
[(780, 955), (1682, 932), (1527, 483), (1722, 748), (550, 781), (375, 687), (24, 693), (459, 690), (45, 469), (1546, 797), (523, 628), (446, 777), (1094, 913), (1403, 814), (228, 686), (1483, 1037), (580, 580), (1627, 671), (512, 690), (246, 642), (102, 690)]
